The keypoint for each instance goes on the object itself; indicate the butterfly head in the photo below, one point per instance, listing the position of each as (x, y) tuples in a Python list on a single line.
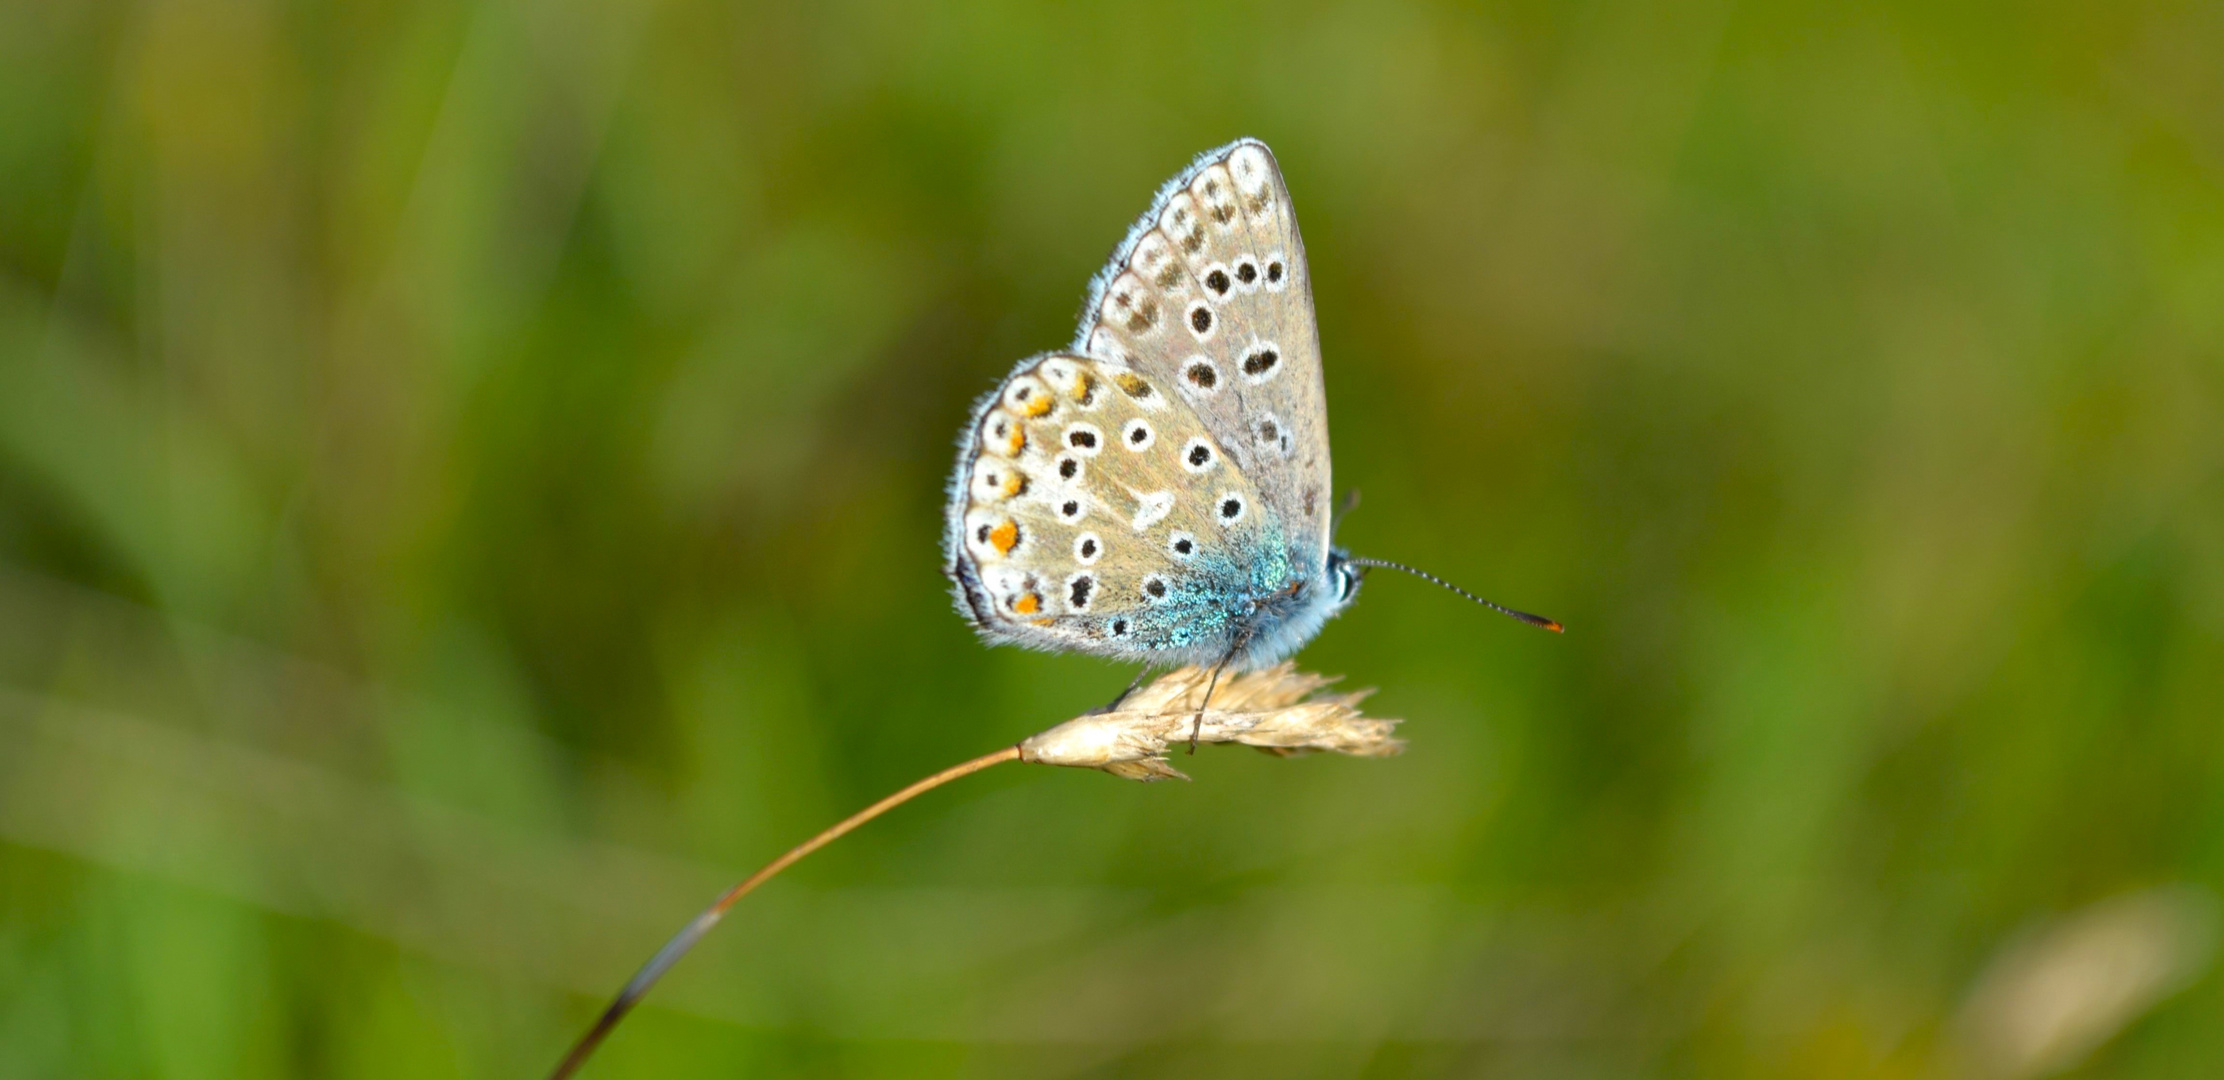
[(1344, 578)]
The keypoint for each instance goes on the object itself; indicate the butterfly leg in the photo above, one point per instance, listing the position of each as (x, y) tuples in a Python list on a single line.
[(1197, 725), (1114, 704)]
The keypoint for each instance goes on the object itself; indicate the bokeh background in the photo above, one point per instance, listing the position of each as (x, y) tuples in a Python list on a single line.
[(470, 481)]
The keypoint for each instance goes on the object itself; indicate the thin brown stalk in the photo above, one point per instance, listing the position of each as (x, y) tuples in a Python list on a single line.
[(681, 942), (1280, 710)]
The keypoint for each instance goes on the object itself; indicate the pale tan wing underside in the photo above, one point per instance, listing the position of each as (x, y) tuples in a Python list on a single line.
[(1213, 297), (1100, 515)]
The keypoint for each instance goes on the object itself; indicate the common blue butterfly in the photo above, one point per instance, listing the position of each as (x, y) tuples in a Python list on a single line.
[(1160, 490)]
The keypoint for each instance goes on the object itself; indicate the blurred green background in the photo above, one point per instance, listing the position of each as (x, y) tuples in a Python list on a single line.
[(470, 488)]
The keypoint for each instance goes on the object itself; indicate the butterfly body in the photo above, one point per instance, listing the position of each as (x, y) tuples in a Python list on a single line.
[(1160, 492)]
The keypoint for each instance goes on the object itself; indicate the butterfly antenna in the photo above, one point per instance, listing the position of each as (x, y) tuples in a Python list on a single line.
[(1522, 616)]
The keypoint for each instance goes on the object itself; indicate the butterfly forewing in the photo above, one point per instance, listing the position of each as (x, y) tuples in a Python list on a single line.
[(1099, 514), (1210, 294)]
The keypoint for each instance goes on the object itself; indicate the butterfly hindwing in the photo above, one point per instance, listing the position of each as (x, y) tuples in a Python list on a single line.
[(1211, 294), (1094, 512)]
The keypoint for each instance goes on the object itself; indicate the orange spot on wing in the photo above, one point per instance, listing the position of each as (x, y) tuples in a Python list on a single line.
[(1018, 441), (1084, 388), (1004, 537), (1028, 604), (1039, 405)]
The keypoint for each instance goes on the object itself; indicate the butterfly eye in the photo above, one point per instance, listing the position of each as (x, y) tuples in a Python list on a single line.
[(1347, 582)]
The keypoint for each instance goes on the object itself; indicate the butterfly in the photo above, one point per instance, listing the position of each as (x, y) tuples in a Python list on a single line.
[(1159, 491)]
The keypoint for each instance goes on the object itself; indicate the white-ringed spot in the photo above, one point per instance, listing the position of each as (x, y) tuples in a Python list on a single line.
[(1262, 361), (1202, 322), (1154, 588), (1230, 509), (1138, 435), (1198, 456), (1246, 273), (1084, 439), (1072, 507), (1080, 589), (1200, 375), (1276, 273), (1218, 283), (1087, 549), (1069, 467), (1182, 546), (1269, 433)]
